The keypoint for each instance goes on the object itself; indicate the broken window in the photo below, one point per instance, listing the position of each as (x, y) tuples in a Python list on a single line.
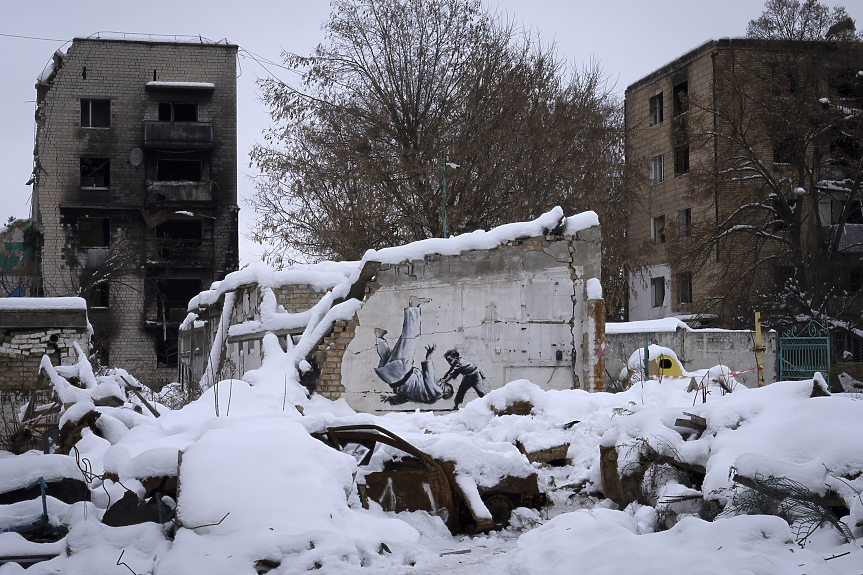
[(684, 288), (192, 230), (176, 239), (95, 172), (99, 295), (179, 170), (657, 169), (655, 114), (95, 113), (172, 298), (657, 291), (680, 103), (684, 222), (178, 112), (657, 229), (94, 232)]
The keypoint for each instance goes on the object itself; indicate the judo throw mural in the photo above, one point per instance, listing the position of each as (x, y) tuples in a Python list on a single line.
[(419, 385)]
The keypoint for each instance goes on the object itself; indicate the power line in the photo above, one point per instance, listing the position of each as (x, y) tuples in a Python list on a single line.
[(32, 38)]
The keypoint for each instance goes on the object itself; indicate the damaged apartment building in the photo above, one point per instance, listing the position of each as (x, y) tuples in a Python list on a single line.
[(135, 188)]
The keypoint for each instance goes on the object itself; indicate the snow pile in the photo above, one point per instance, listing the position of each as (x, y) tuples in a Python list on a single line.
[(289, 509), (606, 541), (255, 486)]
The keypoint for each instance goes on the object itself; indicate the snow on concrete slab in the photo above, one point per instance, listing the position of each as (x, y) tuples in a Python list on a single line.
[(43, 303)]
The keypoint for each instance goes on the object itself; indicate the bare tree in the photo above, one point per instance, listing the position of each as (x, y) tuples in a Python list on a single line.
[(407, 92), (784, 171)]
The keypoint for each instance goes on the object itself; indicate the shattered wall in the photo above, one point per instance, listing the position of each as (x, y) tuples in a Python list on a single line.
[(424, 325)]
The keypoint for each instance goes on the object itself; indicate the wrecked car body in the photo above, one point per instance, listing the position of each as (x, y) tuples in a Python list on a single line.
[(417, 482)]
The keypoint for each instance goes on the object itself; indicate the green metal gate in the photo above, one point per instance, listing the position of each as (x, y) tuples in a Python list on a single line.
[(803, 353)]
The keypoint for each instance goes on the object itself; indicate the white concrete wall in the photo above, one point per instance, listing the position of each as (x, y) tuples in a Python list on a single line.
[(509, 312), (641, 298), (701, 349)]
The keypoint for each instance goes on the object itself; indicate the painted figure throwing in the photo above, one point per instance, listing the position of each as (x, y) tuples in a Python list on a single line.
[(471, 376)]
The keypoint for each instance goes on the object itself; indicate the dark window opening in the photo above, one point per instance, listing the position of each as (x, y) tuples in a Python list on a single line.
[(99, 295), (664, 363), (655, 114), (855, 214), (178, 112), (167, 348), (182, 230), (179, 170), (855, 279), (95, 172), (658, 225), (179, 239), (172, 299), (681, 160), (684, 288), (95, 113), (94, 232), (657, 290), (684, 222), (784, 151), (680, 103)]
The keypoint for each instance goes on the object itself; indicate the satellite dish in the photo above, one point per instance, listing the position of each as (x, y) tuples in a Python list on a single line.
[(136, 156)]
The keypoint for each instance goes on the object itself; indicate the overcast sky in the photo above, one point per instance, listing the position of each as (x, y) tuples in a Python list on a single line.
[(629, 38)]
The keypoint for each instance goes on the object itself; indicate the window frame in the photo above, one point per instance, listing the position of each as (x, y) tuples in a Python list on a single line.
[(657, 288), (684, 288), (88, 102), (657, 229), (657, 169), (684, 222), (655, 109), (106, 233), (679, 106), (106, 164)]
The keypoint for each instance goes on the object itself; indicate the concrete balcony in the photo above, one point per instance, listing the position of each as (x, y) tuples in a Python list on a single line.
[(178, 135), (184, 191)]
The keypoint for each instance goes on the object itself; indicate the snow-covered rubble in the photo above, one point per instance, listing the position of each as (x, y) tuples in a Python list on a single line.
[(242, 483), (255, 486)]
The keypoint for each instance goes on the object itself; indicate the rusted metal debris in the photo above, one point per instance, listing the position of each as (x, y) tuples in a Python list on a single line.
[(70, 433), (515, 408), (418, 482)]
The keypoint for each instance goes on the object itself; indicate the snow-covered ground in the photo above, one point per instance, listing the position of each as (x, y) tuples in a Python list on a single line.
[(255, 487)]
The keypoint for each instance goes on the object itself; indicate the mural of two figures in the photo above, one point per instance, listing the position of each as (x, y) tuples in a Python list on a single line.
[(412, 384)]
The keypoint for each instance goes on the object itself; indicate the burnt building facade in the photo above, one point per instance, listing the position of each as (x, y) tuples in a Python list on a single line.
[(135, 188)]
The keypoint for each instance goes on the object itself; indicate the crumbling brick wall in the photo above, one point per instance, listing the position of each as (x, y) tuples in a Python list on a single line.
[(21, 352), (298, 298)]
